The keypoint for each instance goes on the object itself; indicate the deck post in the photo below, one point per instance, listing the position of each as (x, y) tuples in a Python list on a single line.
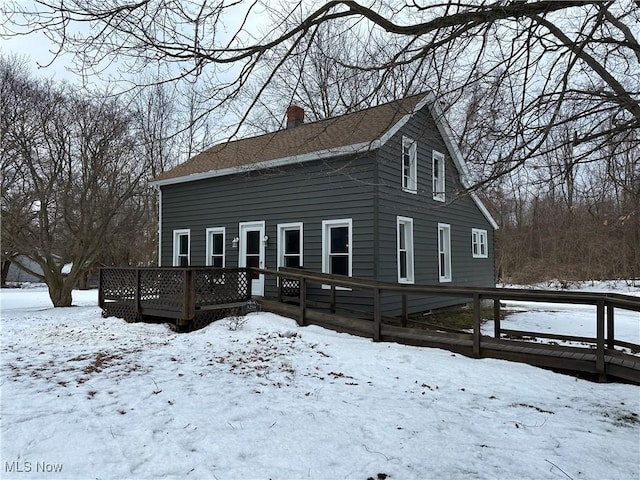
[(405, 311), (138, 295), (377, 315), (189, 298), (600, 366), (496, 318), (303, 301), (100, 289), (247, 276), (611, 337), (332, 299), (476, 325)]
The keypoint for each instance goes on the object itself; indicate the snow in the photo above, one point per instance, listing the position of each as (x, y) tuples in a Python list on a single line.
[(88, 397)]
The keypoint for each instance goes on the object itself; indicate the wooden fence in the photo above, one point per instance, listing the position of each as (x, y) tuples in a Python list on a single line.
[(603, 354)]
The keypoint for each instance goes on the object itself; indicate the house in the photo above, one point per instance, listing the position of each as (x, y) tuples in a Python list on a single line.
[(377, 194)]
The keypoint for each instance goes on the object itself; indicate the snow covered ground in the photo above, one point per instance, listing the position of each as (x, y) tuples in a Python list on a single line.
[(86, 397)]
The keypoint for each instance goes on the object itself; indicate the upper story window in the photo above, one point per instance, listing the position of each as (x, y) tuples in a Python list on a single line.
[(409, 165), (290, 242), (405, 250), (438, 176), (479, 243), (215, 247), (181, 247)]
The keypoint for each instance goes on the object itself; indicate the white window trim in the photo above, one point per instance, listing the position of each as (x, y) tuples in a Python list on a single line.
[(438, 182), (446, 249), (281, 229), (214, 230), (408, 222), (412, 186), (326, 224), (479, 237), (176, 236)]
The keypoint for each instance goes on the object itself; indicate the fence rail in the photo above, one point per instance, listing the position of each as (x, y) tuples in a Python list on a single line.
[(601, 354)]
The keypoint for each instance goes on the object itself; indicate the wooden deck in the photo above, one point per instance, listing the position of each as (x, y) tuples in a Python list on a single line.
[(194, 297)]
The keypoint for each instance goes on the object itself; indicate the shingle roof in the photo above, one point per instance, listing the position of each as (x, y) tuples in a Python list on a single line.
[(365, 126)]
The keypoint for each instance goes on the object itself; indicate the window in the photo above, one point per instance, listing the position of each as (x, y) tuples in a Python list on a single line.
[(215, 247), (405, 250), (290, 240), (438, 177), (444, 252), (336, 246), (479, 243), (409, 165), (181, 247)]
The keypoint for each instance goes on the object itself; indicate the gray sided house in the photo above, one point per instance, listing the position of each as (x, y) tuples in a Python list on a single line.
[(377, 194)]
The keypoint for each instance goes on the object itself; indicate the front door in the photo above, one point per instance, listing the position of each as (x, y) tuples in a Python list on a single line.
[(251, 251)]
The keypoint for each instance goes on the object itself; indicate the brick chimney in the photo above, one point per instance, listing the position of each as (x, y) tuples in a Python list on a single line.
[(295, 116)]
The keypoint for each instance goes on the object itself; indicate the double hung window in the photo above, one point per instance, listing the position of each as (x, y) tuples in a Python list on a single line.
[(444, 252), (290, 245), (215, 247), (479, 243), (405, 250), (181, 247), (438, 176), (409, 165), (336, 246)]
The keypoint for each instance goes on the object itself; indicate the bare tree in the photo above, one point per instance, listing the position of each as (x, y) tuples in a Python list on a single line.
[(546, 57), (70, 178)]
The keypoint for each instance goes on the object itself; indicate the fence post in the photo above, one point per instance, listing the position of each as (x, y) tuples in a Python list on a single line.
[(138, 296), (611, 337), (600, 366), (303, 300), (496, 318), (189, 307), (100, 289), (377, 315), (476, 325), (405, 310), (332, 299), (247, 277)]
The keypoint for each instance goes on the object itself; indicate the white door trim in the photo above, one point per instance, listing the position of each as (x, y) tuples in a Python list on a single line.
[(257, 285)]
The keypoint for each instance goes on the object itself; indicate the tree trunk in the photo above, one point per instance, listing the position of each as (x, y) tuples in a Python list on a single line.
[(83, 281), (5, 271), (60, 294)]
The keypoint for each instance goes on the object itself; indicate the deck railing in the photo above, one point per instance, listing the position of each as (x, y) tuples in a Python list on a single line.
[(194, 296), (295, 283), (180, 293)]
